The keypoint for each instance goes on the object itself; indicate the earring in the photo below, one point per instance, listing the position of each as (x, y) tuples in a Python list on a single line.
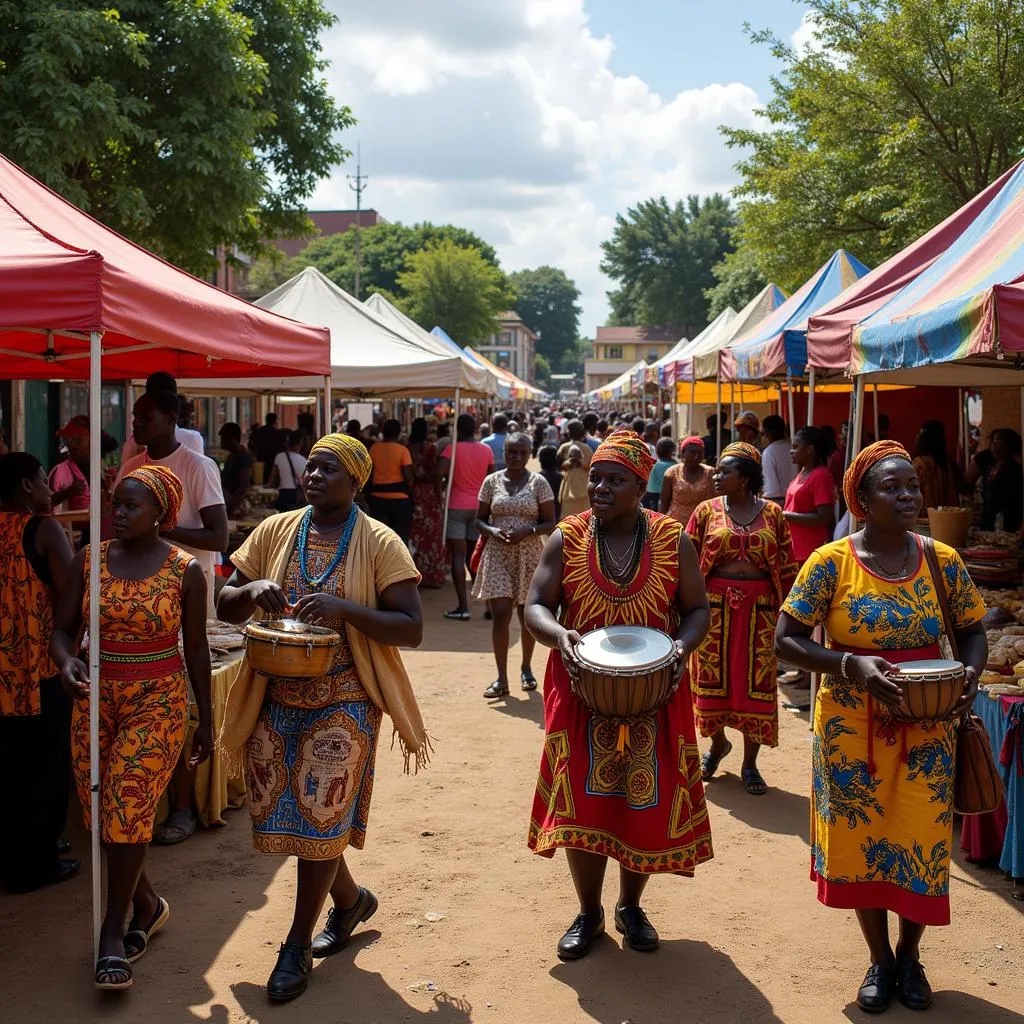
[(157, 523)]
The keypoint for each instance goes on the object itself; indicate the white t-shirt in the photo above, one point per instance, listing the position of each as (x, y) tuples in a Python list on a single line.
[(183, 435), (200, 485), (779, 471), (289, 477)]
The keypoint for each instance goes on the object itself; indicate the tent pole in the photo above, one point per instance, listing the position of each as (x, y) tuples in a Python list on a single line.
[(693, 406), (95, 514), (732, 406), (327, 404), (718, 425), (451, 464), (856, 420), (874, 391), (792, 406), (811, 374)]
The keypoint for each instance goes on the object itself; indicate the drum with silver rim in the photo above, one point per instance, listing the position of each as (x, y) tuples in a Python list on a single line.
[(931, 688), (289, 649)]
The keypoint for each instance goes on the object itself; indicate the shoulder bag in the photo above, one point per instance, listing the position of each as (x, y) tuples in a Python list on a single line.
[(977, 786)]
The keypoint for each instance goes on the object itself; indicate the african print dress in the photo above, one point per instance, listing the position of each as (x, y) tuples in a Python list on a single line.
[(310, 758), (734, 670), (143, 698), (882, 793), (645, 806)]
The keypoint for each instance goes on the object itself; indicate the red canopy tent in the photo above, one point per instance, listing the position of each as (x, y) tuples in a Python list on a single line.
[(78, 300)]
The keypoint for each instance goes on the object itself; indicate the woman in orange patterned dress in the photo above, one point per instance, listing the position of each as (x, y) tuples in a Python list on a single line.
[(643, 806), (150, 593), (746, 556)]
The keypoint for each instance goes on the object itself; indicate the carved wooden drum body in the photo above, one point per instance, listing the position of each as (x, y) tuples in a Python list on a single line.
[(288, 649), (931, 689)]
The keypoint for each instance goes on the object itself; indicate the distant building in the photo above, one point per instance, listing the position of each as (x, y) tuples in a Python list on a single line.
[(513, 348), (328, 222), (616, 349)]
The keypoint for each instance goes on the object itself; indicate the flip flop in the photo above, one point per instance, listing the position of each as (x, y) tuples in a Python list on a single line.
[(136, 942), (753, 782), (709, 762), (181, 825), (107, 966), (528, 681)]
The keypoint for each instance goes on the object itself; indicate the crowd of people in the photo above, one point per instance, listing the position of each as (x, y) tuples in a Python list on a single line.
[(728, 543)]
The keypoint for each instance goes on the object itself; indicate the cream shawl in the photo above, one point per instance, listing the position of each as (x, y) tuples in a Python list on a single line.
[(376, 559)]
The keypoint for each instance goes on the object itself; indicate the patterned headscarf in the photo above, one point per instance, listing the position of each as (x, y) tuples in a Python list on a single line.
[(627, 449), (741, 450), (870, 456), (694, 440), (165, 487), (350, 452)]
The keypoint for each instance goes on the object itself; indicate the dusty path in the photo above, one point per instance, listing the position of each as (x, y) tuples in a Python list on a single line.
[(744, 941)]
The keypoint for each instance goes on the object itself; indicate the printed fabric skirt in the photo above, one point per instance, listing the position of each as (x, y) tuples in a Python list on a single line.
[(310, 777), (734, 670), (644, 807), (881, 804)]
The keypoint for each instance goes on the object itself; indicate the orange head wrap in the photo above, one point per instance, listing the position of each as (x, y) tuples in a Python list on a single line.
[(870, 456), (627, 449), (741, 450), (165, 487)]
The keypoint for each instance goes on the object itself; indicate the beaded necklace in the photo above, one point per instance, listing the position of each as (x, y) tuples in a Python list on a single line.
[(346, 536)]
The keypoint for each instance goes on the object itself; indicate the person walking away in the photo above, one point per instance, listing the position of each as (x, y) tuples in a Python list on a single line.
[(652, 435), (776, 460), (640, 802), (151, 593), (687, 483), (575, 462), (425, 540), (666, 450), (35, 762), (310, 744), (286, 476), (473, 462), (516, 512), (936, 472), (710, 439), (236, 475), (552, 435), (162, 381), (495, 440), (746, 556), (592, 425), (390, 487), (882, 786), (201, 530), (268, 441), (549, 469)]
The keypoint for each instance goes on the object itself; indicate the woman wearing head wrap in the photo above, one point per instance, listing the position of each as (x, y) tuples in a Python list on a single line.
[(746, 556), (635, 798), (310, 744), (687, 483), (150, 594), (882, 814)]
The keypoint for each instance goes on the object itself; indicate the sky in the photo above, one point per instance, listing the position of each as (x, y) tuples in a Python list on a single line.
[(533, 122)]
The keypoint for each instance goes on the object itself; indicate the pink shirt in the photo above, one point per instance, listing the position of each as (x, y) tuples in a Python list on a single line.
[(473, 461), (805, 494), (64, 474)]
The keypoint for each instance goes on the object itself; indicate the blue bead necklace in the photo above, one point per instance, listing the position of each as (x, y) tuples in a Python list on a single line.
[(346, 536)]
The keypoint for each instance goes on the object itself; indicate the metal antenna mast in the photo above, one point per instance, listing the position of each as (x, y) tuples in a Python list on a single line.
[(357, 182)]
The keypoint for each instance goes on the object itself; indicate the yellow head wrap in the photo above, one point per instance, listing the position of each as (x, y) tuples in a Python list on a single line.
[(350, 452)]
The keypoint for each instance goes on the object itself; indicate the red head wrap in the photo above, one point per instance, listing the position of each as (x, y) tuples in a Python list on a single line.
[(627, 449), (165, 487), (694, 440), (870, 456), (741, 450)]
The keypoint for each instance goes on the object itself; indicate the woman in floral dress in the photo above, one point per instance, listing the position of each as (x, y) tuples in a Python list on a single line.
[(425, 541), (516, 513)]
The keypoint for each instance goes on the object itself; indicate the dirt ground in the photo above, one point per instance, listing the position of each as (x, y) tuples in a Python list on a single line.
[(469, 919)]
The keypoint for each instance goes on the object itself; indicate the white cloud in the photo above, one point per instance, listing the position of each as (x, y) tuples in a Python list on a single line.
[(504, 117)]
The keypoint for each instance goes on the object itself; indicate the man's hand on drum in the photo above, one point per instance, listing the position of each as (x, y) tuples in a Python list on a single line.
[(269, 596), (567, 648), (320, 609)]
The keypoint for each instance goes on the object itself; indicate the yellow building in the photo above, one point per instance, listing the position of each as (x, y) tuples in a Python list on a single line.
[(616, 349)]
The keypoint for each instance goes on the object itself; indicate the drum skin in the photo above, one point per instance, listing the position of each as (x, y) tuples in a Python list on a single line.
[(289, 653), (930, 696)]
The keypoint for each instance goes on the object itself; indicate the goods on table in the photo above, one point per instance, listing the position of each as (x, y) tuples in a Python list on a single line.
[(992, 566), (225, 640)]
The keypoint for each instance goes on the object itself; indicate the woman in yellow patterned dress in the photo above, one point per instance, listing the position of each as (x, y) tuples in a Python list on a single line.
[(882, 794), (311, 744), (150, 593)]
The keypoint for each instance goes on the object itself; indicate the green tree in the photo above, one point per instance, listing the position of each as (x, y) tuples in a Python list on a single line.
[(455, 287), (737, 280), (542, 370), (900, 112), (546, 300), (385, 249), (183, 124), (663, 256)]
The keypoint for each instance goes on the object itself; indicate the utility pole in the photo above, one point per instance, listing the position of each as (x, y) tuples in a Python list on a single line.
[(357, 183)]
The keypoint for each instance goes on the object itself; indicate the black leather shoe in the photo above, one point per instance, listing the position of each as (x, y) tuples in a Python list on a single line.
[(638, 932), (290, 976), (914, 991), (575, 943), (878, 988), (341, 924)]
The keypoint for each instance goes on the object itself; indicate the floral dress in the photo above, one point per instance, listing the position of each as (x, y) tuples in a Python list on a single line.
[(506, 569), (425, 541)]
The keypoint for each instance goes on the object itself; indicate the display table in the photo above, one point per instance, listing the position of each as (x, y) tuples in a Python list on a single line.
[(1000, 835)]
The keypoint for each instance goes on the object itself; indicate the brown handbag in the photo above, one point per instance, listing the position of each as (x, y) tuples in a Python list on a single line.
[(977, 786)]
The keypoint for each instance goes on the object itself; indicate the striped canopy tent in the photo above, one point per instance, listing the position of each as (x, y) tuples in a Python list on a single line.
[(777, 347), (621, 387), (518, 388), (661, 373)]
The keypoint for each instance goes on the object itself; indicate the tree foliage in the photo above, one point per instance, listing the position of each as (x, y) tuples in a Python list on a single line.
[(546, 300), (183, 124), (663, 256), (900, 112), (737, 280), (456, 287)]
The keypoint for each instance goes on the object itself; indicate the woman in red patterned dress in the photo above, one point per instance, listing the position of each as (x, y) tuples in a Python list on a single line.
[(617, 564)]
